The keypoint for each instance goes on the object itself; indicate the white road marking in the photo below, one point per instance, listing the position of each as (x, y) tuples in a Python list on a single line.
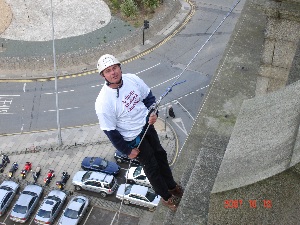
[(177, 102), (54, 110), (52, 93), (148, 68), (5, 103), (88, 215), (24, 87), (113, 219), (8, 214), (178, 122), (164, 82), (98, 85)]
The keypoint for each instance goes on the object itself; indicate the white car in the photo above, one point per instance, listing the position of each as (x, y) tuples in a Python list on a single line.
[(138, 195), (75, 210), (8, 190), (26, 203), (50, 207), (136, 175), (102, 183)]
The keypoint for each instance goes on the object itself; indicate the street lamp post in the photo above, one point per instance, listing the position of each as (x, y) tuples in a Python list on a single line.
[(166, 116), (59, 139)]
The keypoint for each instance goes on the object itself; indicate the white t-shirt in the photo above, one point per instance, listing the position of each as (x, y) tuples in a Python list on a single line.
[(127, 113)]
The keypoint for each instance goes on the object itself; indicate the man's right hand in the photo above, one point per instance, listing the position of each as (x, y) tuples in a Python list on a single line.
[(134, 153)]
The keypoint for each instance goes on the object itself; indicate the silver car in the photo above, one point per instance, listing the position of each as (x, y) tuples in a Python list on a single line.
[(8, 190), (26, 203), (50, 207), (74, 211), (138, 195), (102, 183), (136, 175)]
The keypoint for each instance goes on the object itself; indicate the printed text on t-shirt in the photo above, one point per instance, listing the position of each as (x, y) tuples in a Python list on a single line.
[(131, 100)]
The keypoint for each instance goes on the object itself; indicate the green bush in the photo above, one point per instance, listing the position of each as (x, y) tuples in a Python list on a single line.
[(129, 8), (151, 4), (115, 4)]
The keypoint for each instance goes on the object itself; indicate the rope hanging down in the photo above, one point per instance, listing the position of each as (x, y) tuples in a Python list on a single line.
[(155, 106)]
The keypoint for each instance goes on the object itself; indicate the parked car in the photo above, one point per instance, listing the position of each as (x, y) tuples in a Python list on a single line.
[(102, 183), (138, 195), (26, 203), (123, 158), (8, 190), (100, 165), (75, 210), (50, 207), (136, 175)]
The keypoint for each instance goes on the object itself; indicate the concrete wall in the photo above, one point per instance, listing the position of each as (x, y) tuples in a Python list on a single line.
[(202, 153), (259, 163), (258, 180), (261, 56), (277, 202), (262, 143), (282, 34)]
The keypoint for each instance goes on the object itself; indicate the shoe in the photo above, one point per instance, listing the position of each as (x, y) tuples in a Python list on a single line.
[(172, 203), (177, 191)]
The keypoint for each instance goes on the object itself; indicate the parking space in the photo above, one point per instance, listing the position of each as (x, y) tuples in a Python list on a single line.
[(110, 217)]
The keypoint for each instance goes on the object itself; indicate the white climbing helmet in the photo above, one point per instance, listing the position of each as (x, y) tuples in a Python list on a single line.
[(106, 61)]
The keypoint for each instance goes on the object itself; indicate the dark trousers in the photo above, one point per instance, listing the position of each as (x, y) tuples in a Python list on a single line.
[(154, 160)]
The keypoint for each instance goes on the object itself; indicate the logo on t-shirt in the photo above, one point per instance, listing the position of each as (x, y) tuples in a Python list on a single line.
[(131, 100)]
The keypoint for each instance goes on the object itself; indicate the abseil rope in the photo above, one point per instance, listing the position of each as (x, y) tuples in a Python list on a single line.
[(154, 107)]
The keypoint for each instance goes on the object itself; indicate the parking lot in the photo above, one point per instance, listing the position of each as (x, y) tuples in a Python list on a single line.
[(101, 209), (38, 149)]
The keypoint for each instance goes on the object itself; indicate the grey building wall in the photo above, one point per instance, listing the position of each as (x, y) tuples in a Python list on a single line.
[(276, 202), (246, 137), (233, 82), (258, 163)]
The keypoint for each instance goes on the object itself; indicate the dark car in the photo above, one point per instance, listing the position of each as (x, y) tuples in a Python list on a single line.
[(100, 165), (123, 158)]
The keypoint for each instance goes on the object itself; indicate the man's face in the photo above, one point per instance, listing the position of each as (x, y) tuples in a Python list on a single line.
[(113, 73)]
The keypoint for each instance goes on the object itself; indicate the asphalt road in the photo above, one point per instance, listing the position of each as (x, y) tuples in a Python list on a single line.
[(32, 107)]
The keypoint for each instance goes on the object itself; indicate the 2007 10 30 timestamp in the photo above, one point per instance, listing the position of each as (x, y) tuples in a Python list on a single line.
[(251, 203)]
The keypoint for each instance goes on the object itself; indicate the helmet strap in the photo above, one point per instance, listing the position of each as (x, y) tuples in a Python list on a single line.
[(120, 84), (109, 83)]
